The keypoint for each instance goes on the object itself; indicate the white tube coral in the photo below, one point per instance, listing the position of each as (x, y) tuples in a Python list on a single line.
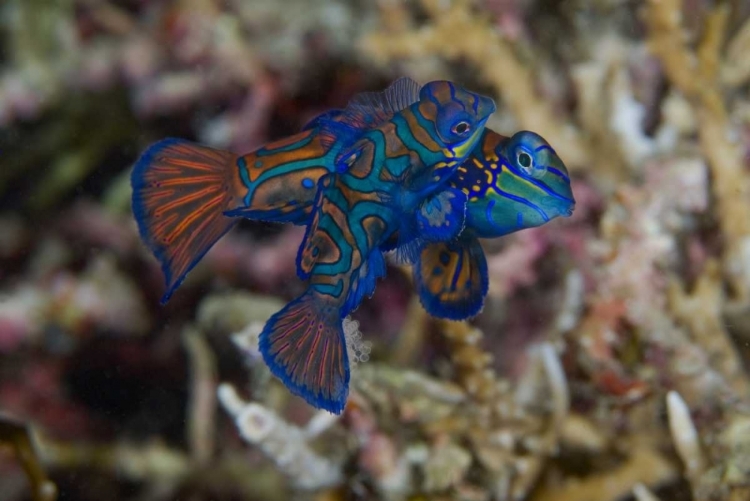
[(282, 442)]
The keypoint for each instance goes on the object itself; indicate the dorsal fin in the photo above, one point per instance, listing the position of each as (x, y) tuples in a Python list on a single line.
[(368, 110), (322, 119)]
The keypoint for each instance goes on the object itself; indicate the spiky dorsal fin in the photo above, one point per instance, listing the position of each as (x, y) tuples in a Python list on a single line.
[(368, 110)]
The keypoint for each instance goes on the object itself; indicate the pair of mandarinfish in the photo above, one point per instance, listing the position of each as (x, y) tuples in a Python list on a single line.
[(411, 169)]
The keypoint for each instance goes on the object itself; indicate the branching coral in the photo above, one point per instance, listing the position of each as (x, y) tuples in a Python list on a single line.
[(638, 243), (498, 422), (285, 444), (697, 75), (19, 438), (610, 359), (486, 49), (684, 435), (202, 396)]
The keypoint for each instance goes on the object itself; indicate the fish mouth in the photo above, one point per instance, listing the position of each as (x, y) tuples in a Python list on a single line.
[(559, 206)]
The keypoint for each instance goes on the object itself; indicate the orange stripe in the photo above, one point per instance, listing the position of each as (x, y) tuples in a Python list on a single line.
[(419, 132)]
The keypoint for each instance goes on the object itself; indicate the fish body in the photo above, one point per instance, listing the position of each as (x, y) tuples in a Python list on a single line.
[(379, 183), (511, 184), (186, 196)]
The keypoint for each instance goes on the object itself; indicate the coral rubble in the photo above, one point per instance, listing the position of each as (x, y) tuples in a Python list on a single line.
[(610, 361)]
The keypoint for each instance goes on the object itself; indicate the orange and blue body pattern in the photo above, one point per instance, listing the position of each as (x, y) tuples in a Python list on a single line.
[(380, 181), (186, 196), (387, 172)]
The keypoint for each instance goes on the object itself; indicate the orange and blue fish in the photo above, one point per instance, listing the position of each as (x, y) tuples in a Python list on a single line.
[(380, 182), (186, 196), (511, 183)]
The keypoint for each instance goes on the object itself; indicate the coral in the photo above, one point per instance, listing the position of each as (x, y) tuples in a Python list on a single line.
[(283, 443), (20, 438), (484, 47), (201, 413), (684, 435), (610, 360), (696, 75), (644, 466)]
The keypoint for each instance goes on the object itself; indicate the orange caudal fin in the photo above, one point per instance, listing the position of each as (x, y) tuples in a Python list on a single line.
[(304, 346), (180, 193)]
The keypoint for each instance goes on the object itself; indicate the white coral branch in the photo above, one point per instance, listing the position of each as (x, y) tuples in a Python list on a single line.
[(684, 435), (282, 442)]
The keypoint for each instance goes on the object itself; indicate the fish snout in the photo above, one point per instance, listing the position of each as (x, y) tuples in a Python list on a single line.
[(569, 211), (486, 106)]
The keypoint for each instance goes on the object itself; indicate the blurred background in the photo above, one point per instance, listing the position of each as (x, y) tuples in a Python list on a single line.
[(609, 363)]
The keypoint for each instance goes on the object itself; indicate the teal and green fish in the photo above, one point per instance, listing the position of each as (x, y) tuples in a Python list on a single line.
[(511, 184), (186, 196)]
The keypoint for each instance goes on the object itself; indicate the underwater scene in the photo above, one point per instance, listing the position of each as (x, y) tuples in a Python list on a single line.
[(401, 250)]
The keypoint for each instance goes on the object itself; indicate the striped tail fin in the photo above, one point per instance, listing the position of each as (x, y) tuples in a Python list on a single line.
[(180, 192), (304, 346)]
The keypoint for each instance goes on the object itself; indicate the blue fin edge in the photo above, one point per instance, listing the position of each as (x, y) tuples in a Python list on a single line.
[(139, 213), (334, 406)]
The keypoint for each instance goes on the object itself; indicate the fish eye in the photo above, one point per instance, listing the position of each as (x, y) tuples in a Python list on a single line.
[(461, 128), (524, 160), (526, 163)]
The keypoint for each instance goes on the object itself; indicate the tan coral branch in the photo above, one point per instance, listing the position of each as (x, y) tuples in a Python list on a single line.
[(482, 45), (696, 76), (202, 405), (281, 441), (684, 435), (644, 466), (700, 311)]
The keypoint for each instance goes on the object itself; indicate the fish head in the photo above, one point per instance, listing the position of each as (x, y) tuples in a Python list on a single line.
[(526, 184), (537, 174), (459, 116)]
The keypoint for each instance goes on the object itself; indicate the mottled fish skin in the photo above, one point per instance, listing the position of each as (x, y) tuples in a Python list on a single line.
[(378, 180), (379, 183), (186, 196)]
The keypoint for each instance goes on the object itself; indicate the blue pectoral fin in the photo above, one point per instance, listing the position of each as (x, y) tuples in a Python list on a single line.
[(408, 252), (304, 346), (363, 284), (451, 278), (442, 217), (406, 242)]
